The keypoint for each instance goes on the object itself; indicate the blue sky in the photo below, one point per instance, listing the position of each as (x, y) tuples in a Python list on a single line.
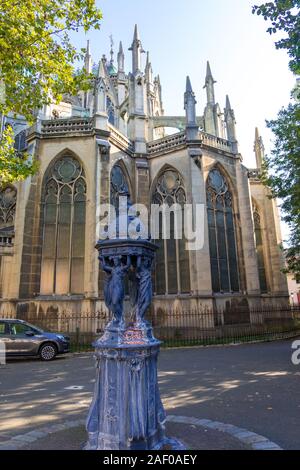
[(182, 35)]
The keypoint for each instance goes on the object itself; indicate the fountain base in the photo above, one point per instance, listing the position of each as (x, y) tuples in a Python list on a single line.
[(126, 412)]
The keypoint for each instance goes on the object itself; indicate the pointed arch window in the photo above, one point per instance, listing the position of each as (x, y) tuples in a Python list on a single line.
[(8, 200), (118, 187), (260, 250), (221, 227), (172, 269), (64, 205)]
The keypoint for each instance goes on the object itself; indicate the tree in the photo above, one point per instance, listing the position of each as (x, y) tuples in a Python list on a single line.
[(37, 59), (36, 55), (281, 172), (281, 169), (13, 165), (285, 17)]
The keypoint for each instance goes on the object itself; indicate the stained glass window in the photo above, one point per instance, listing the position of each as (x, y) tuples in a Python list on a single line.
[(118, 185), (222, 244), (172, 270), (64, 228), (260, 251), (8, 199)]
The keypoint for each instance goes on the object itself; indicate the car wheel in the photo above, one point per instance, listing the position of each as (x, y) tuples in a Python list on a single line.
[(48, 352)]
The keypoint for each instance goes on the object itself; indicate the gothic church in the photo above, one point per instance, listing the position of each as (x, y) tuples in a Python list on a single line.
[(112, 139)]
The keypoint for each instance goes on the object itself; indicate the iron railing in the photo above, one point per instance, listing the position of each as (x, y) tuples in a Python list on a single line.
[(181, 328)]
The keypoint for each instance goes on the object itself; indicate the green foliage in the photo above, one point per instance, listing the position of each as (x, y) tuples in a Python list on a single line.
[(37, 62), (285, 17), (281, 172), (13, 165), (36, 55)]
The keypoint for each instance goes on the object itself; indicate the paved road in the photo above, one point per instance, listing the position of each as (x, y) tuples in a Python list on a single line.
[(253, 386)]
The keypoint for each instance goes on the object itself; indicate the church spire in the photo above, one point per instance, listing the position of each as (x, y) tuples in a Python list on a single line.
[(188, 88), (148, 69), (88, 58), (137, 50), (228, 106), (111, 50), (121, 84), (209, 85), (190, 111), (230, 124), (208, 71), (259, 149), (88, 69), (158, 84), (136, 36), (148, 64), (121, 58), (101, 68), (137, 123), (100, 97)]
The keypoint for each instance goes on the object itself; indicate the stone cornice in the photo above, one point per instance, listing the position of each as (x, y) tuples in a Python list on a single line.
[(67, 127), (120, 140), (177, 141), (166, 144)]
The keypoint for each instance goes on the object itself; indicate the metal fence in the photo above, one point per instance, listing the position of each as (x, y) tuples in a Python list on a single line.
[(181, 328)]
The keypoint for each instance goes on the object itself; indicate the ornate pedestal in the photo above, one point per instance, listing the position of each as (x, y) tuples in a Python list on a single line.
[(126, 412)]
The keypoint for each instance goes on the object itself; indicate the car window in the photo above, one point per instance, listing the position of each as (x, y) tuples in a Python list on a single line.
[(35, 329), (2, 329), (19, 328)]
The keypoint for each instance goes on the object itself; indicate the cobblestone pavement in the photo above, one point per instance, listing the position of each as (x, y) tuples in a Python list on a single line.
[(255, 387)]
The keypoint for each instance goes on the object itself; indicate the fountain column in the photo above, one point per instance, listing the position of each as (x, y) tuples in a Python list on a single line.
[(126, 412)]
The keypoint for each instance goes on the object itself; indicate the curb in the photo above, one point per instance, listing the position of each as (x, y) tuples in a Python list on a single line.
[(255, 441), (21, 440)]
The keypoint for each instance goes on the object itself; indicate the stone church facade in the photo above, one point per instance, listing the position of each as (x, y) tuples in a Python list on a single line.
[(92, 147)]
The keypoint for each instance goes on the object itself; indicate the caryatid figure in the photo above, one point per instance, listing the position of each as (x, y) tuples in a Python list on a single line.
[(143, 273), (114, 291)]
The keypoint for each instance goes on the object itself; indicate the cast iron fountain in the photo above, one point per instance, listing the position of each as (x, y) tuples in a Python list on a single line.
[(126, 412)]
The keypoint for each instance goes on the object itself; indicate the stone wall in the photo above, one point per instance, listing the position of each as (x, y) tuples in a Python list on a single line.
[(21, 269)]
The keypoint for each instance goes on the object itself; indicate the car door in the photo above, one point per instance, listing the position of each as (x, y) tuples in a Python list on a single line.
[(5, 337), (22, 343)]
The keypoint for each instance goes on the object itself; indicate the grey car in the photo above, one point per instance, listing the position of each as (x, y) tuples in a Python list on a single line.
[(23, 339)]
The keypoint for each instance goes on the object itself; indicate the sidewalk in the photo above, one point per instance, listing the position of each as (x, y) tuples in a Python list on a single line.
[(192, 433), (254, 387)]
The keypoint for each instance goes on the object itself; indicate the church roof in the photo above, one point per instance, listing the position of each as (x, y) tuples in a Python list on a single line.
[(111, 69)]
